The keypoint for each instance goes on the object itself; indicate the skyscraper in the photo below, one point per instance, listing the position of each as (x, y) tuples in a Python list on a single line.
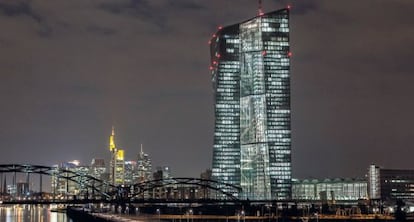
[(144, 166), (117, 163), (131, 172), (98, 169), (250, 66)]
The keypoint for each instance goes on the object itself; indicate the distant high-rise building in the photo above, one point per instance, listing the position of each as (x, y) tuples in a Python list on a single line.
[(162, 173), (131, 172), (98, 169), (204, 191), (117, 163), (250, 66), (144, 166), (64, 187)]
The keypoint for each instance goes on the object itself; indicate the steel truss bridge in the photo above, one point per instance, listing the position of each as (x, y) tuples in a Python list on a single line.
[(94, 190)]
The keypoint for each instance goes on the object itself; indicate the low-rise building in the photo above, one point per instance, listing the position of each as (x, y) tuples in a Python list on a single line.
[(329, 189), (391, 184)]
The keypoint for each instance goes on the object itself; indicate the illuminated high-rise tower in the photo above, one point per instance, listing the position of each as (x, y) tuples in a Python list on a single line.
[(117, 163), (144, 166), (250, 66)]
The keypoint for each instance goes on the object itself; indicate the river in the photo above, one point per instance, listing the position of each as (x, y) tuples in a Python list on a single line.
[(30, 213)]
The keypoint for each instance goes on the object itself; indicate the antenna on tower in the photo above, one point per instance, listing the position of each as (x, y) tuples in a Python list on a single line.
[(260, 11)]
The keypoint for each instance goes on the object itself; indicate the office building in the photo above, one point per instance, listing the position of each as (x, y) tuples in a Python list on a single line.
[(117, 163), (131, 172), (391, 184), (162, 173), (144, 167), (98, 169), (64, 187), (250, 67), (374, 187), (332, 190)]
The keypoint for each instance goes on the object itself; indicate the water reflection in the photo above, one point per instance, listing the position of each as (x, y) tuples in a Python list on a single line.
[(30, 213)]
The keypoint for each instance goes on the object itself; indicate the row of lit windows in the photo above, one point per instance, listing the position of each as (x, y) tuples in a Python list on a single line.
[(278, 117), (283, 151), (227, 113), (279, 131), (275, 73), (227, 126), (232, 89), (223, 165), (224, 82), (279, 156), (226, 157), (228, 116), (275, 165), (273, 138), (276, 41), (226, 94), (232, 138), (226, 105), (276, 64), (230, 113), (230, 50), (228, 66), (228, 142), (268, 29), (228, 150), (232, 40), (229, 73), (269, 49), (228, 70), (280, 51), (281, 178), (276, 113), (283, 30)]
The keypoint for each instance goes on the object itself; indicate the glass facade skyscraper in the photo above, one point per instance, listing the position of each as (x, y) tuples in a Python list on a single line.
[(250, 66)]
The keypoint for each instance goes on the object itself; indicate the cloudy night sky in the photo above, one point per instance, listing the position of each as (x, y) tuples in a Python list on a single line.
[(70, 69)]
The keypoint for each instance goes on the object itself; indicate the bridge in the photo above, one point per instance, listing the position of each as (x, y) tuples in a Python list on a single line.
[(172, 196), (69, 186)]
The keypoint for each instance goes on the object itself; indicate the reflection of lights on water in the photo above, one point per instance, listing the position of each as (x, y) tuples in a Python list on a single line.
[(8, 214), (23, 213)]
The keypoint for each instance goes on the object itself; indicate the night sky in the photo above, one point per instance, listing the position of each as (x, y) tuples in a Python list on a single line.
[(70, 69)]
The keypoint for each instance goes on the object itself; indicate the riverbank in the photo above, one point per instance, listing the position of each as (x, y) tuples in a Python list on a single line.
[(79, 214)]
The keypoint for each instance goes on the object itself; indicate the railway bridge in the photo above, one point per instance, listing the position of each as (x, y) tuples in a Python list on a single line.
[(69, 186)]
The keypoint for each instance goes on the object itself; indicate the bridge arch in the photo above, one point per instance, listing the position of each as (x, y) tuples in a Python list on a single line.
[(111, 192), (90, 182)]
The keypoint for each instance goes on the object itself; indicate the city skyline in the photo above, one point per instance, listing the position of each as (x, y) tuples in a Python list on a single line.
[(73, 69)]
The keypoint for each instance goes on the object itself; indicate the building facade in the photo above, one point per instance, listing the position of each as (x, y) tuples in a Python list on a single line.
[(250, 67), (117, 163), (330, 190), (98, 169), (63, 187), (391, 184), (131, 172), (144, 167), (374, 187)]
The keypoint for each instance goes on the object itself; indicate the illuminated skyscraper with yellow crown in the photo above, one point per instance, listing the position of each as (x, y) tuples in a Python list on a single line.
[(117, 164)]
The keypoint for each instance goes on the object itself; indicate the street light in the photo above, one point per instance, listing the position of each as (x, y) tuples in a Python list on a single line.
[(191, 213), (159, 214)]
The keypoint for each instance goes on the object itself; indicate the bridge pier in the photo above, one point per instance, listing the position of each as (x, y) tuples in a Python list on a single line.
[(28, 180), (40, 186)]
